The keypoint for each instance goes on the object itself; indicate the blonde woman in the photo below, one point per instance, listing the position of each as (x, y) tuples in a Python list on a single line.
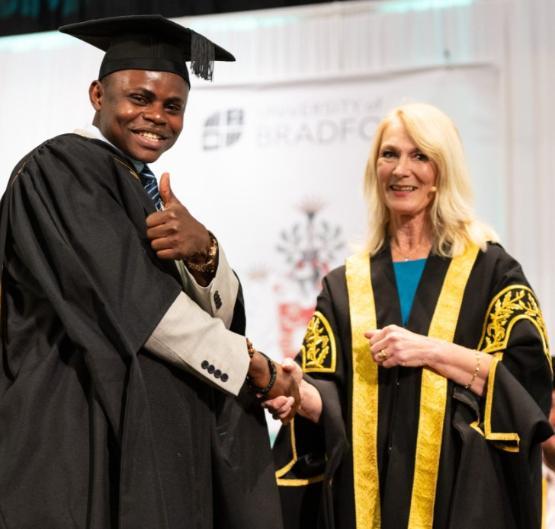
[(427, 375)]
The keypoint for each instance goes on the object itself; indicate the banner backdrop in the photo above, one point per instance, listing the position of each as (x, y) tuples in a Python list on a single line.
[(276, 172)]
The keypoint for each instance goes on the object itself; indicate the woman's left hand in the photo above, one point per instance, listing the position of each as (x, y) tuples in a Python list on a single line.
[(396, 346)]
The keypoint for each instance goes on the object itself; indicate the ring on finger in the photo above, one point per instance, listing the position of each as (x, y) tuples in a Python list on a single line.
[(382, 355)]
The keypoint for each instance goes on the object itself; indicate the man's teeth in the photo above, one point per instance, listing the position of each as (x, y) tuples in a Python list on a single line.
[(150, 135)]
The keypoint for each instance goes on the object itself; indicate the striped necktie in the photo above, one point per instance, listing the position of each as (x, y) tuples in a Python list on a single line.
[(151, 186)]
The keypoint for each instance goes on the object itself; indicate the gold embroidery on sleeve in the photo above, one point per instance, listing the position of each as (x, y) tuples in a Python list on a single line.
[(318, 351), (512, 304), (509, 306)]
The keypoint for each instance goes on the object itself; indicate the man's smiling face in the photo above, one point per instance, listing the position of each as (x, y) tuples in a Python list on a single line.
[(140, 111)]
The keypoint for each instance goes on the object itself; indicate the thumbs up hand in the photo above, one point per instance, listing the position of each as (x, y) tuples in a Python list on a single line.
[(165, 189), (174, 233)]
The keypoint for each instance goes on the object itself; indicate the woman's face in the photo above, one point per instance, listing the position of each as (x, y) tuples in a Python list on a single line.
[(406, 175)]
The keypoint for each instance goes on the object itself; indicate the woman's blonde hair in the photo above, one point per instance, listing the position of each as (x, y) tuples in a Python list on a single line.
[(452, 218)]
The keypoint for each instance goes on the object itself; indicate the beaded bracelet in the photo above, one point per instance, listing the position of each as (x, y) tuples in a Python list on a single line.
[(273, 375), (476, 370)]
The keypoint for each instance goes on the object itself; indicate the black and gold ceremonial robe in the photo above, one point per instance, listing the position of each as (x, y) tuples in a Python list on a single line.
[(95, 432), (404, 447)]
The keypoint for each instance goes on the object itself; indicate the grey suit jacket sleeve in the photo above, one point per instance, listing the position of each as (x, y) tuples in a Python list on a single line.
[(194, 335), (191, 339)]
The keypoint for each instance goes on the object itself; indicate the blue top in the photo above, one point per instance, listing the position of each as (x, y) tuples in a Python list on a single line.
[(407, 275)]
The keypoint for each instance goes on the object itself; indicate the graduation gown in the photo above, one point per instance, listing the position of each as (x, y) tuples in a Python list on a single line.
[(95, 432), (406, 448)]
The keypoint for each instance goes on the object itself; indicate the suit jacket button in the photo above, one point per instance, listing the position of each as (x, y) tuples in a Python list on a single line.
[(205, 364), (224, 377), (217, 299), (211, 368), (217, 373)]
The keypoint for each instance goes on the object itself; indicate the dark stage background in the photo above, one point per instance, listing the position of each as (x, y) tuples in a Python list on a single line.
[(27, 16)]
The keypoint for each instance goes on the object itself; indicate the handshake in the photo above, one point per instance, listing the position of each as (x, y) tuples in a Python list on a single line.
[(276, 385)]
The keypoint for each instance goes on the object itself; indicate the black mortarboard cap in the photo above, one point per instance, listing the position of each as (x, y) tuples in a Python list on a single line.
[(149, 42)]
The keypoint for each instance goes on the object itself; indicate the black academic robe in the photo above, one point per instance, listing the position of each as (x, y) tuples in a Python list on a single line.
[(487, 468), (95, 432)]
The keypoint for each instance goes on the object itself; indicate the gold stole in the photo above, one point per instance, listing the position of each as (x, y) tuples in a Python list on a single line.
[(365, 394)]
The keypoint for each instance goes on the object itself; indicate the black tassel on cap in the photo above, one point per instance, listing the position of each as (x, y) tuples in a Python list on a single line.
[(202, 56)]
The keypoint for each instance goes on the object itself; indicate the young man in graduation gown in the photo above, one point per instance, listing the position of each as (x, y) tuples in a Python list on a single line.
[(123, 400)]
